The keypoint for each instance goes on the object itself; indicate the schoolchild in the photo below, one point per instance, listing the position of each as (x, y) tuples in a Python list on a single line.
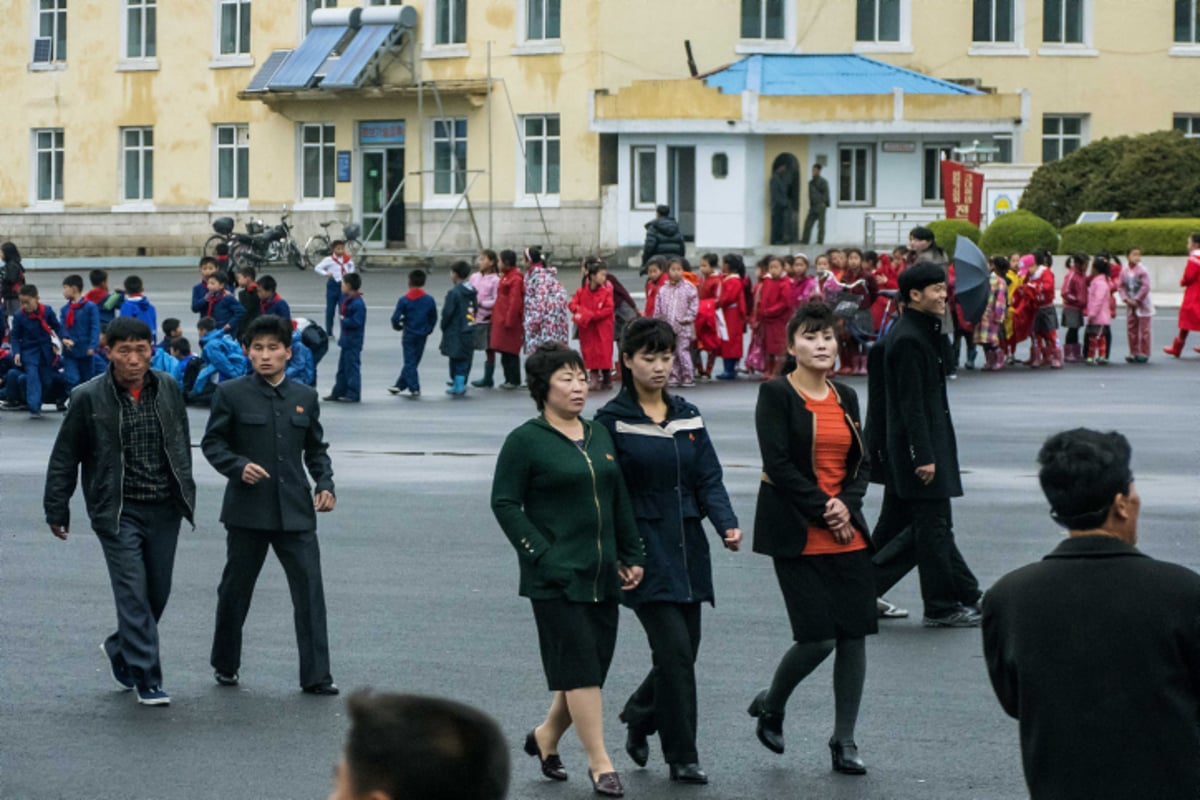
[(771, 311), (458, 315), (208, 266), (347, 387), (731, 314), (486, 282), (416, 317), (224, 360), (247, 295), (1075, 301), (508, 319), (32, 339), (137, 305), (334, 267), (989, 331), (1045, 349), (1135, 294), (269, 301), (1099, 312), (181, 349), (81, 329), (655, 269), (172, 329), (221, 305), (678, 304), (592, 310), (106, 302), (707, 341), (301, 366)]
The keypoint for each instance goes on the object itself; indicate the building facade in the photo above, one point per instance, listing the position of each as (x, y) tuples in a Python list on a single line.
[(452, 123)]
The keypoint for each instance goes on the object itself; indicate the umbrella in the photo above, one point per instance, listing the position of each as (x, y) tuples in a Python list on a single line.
[(971, 273)]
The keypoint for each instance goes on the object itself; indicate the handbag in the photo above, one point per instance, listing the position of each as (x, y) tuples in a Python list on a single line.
[(482, 333)]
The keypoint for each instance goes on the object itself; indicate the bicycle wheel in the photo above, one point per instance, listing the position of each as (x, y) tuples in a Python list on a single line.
[(358, 254), (210, 244), (316, 250), (294, 256)]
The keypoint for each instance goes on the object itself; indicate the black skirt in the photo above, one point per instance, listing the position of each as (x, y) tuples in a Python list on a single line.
[(1045, 320), (577, 641), (829, 596)]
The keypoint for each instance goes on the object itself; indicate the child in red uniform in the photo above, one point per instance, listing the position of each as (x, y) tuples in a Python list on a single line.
[(1075, 298), (656, 268), (707, 340), (592, 311), (1044, 349), (772, 310), (1189, 311), (731, 313), (858, 280)]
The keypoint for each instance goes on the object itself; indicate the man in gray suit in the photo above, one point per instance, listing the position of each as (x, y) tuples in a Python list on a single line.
[(262, 433), (818, 203)]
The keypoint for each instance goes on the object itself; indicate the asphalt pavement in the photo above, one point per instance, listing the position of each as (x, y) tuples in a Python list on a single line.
[(421, 590)]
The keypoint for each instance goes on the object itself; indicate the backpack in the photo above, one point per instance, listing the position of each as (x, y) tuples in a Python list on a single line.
[(316, 340)]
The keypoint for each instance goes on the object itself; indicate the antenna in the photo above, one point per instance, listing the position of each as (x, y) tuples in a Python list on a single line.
[(687, 45)]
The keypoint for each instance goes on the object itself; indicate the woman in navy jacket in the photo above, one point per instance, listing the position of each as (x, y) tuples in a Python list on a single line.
[(674, 481)]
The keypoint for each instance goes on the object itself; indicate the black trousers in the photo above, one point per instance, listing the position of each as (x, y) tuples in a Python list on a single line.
[(511, 364), (814, 217), (665, 703), (920, 533), (141, 560), (300, 555)]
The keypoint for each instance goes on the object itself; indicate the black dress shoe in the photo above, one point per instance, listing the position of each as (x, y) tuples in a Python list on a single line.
[(325, 689), (637, 746), (770, 724), (552, 766), (225, 678), (846, 759), (688, 773), (607, 784)]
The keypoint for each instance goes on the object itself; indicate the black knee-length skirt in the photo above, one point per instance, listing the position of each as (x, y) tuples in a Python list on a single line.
[(577, 641), (829, 596)]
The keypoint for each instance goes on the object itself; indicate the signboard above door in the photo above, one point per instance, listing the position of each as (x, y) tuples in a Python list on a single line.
[(381, 133)]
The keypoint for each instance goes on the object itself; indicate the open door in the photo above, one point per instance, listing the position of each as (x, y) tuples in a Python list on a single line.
[(681, 188)]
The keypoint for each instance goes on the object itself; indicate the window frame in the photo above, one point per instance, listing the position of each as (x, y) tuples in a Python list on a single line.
[(237, 58), (432, 48), (942, 148), (58, 14), (784, 44), (326, 163), (901, 45), (1085, 47), (635, 174), (306, 16), (1060, 137), (233, 202), (1016, 47), (57, 151), (145, 158), (871, 161), (1191, 129), (999, 140), (148, 10), (453, 141), (535, 47), (543, 198)]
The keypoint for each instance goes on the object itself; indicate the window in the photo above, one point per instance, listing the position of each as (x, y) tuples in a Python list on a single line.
[(935, 154), (451, 22), (543, 19), (720, 166), (449, 156), (137, 163), (318, 162), (312, 5), (1061, 136), (141, 29), (1187, 22), (1004, 147), (1063, 21), (234, 38), (541, 155), (48, 163), (51, 27), (994, 21), (878, 21), (645, 177), (762, 19), (233, 162), (1189, 124), (855, 184)]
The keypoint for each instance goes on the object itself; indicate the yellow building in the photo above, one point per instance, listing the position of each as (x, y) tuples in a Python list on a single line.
[(448, 123)]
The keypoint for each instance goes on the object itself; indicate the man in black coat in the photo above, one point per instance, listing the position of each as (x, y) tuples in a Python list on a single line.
[(922, 471), (1096, 648), (663, 237), (262, 433), (128, 430)]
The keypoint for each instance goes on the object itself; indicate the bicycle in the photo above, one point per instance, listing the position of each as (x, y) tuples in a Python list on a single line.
[(318, 245)]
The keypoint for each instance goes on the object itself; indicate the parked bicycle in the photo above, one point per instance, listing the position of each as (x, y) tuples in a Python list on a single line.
[(259, 246), (319, 247)]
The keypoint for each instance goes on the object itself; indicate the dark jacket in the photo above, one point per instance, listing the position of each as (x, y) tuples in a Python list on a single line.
[(789, 499), (818, 194), (875, 429), (251, 309), (415, 314), (663, 238), (278, 428), (458, 315), (1096, 650), (566, 512), (91, 436), (276, 306), (919, 428), (225, 310), (85, 333), (30, 340), (674, 480), (353, 324)]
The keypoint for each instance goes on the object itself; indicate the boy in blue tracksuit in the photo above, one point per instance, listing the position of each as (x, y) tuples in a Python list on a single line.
[(33, 345), (208, 266), (301, 367), (269, 301), (136, 305), (416, 315), (221, 305), (353, 312), (223, 360), (81, 329)]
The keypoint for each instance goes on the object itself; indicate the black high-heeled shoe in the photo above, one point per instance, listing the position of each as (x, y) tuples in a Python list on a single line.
[(607, 784), (846, 759), (770, 724), (552, 766)]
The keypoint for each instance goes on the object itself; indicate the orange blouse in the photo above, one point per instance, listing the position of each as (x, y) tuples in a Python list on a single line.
[(831, 443)]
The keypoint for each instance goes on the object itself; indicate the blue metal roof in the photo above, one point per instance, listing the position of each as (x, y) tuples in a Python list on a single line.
[(824, 74)]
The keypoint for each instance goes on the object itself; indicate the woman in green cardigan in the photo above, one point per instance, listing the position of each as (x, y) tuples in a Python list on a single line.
[(559, 496)]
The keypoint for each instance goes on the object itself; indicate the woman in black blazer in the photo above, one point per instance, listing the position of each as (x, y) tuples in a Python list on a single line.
[(809, 520)]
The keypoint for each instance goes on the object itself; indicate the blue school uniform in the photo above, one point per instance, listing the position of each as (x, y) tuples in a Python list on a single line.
[(223, 360), (200, 298), (301, 367), (225, 310), (348, 385), (277, 306), (82, 328), (416, 314), (140, 308), (30, 339)]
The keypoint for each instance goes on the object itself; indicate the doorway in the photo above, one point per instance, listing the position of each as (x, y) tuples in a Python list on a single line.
[(681, 188), (382, 174)]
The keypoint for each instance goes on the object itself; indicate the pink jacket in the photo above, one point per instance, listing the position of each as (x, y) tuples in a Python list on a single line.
[(1099, 311)]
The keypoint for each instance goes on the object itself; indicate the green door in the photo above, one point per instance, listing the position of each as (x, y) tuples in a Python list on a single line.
[(373, 183)]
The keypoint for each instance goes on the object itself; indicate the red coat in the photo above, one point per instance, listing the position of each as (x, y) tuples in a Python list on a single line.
[(1041, 287), (772, 312), (592, 310), (731, 302), (1189, 312), (508, 314), (710, 287)]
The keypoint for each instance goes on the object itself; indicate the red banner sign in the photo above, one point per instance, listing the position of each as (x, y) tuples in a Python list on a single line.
[(962, 190)]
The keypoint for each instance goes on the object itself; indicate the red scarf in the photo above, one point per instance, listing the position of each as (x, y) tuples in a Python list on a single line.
[(71, 309), (213, 299), (96, 295), (415, 294), (264, 304), (346, 301), (40, 316)]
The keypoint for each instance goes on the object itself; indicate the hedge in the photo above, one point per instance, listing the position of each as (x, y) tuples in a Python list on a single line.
[(1019, 231), (1155, 237), (946, 231)]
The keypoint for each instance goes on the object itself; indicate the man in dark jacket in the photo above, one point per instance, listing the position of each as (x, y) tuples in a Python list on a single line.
[(264, 430), (129, 431), (1096, 648), (922, 460), (818, 204), (663, 237)]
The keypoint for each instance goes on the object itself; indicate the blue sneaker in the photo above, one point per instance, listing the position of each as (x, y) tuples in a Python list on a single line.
[(153, 696), (120, 673)]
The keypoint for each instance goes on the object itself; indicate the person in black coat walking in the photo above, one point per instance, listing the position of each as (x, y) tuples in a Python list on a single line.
[(809, 520), (1096, 648), (663, 237), (922, 460), (674, 480), (263, 432)]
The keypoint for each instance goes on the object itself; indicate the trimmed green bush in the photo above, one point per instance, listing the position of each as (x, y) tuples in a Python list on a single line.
[(946, 231), (1156, 237), (1020, 231)]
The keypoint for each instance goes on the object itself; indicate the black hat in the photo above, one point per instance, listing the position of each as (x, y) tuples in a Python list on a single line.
[(919, 276)]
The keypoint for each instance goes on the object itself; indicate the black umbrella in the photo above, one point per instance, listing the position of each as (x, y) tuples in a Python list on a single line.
[(971, 286)]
